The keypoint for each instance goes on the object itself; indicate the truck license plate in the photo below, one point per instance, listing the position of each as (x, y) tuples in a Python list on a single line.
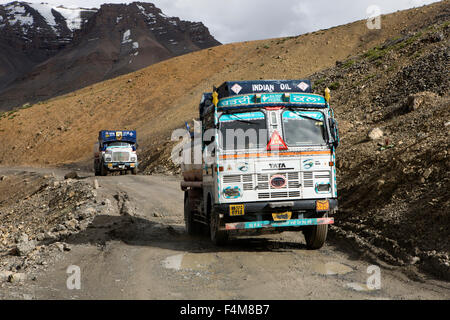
[(237, 210), (282, 216)]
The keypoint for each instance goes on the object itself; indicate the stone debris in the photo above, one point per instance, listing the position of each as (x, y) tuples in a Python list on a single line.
[(17, 277), (375, 134), (71, 175), (59, 209), (24, 245)]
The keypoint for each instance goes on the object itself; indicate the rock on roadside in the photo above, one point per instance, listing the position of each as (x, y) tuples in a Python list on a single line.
[(24, 245), (375, 134)]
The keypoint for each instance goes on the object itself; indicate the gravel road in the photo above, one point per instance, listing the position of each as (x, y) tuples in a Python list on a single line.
[(141, 251)]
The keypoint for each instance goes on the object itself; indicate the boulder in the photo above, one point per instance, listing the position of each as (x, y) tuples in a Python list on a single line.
[(24, 245), (375, 134), (71, 175)]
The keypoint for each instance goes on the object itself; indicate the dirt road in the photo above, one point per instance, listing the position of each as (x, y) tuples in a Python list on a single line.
[(143, 252)]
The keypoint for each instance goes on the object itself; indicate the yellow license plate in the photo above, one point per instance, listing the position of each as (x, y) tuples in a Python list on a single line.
[(237, 210), (282, 216)]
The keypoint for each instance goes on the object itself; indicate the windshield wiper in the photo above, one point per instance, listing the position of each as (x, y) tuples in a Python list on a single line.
[(303, 116)]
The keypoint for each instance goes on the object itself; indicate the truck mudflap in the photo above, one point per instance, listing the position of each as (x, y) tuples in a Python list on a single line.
[(278, 224)]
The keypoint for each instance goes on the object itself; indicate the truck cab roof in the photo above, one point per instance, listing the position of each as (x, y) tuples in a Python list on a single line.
[(117, 135), (239, 95), (235, 88)]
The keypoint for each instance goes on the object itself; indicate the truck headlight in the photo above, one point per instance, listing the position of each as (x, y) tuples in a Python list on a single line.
[(108, 159), (133, 159), (232, 193), (323, 187)]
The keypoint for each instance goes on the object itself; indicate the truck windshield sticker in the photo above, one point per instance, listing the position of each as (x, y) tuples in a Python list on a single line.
[(266, 98), (298, 115), (242, 116)]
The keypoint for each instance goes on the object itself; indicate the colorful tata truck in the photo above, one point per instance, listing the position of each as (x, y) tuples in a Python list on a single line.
[(284, 180), (115, 151)]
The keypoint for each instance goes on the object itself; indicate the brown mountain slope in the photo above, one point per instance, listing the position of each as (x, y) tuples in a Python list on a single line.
[(394, 190), (160, 98)]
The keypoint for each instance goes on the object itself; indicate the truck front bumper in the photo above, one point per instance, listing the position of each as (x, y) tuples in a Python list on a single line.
[(278, 224), (261, 208), (120, 165), (281, 215)]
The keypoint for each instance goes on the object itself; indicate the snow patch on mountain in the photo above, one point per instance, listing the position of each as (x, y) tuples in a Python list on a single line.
[(46, 12), (19, 12), (72, 16), (126, 36), (16, 13)]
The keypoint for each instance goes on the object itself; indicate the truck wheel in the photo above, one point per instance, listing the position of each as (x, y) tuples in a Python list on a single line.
[(95, 169), (192, 227), (218, 237), (134, 171), (315, 236), (103, 170)]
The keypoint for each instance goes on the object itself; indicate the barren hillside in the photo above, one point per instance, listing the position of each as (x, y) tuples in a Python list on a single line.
[(161, 97), (394, 167)]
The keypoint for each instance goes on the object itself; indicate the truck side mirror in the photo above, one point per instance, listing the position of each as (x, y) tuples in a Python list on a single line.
[(334, 132), (207, 143)]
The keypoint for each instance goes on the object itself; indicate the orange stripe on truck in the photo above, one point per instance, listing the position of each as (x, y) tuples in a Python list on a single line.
[(271, 154)]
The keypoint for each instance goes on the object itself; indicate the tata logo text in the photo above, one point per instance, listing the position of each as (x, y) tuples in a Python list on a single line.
[(277, 165)]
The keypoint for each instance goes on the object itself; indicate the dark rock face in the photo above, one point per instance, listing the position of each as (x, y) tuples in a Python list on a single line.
[(47, 51)]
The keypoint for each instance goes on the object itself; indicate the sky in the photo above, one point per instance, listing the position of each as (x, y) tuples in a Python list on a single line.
[(244, 20)]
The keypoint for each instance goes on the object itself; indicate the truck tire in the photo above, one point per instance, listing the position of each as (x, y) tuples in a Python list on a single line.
[(192, 227), (134, 171), (218, 237), (315, 236), (96, 172), (103, 170)]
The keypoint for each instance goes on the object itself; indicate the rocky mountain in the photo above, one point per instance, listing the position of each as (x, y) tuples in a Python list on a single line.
[(48, 50)]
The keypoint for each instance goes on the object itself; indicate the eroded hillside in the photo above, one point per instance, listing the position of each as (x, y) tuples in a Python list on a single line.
[(394, 166)]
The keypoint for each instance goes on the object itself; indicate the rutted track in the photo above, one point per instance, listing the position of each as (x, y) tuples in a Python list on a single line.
[(141, 251)]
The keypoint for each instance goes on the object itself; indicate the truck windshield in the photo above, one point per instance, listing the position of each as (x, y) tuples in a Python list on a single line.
[(302, 128), (118, 144), (240, 131)]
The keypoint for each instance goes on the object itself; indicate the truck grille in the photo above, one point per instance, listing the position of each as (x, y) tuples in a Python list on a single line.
[(275, 195), (261, 183), (245, 179), (293, 182), (308, 181), (121, 156)]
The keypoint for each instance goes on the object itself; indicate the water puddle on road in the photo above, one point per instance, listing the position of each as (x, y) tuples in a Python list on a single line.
[(331, 268), (173, 262)]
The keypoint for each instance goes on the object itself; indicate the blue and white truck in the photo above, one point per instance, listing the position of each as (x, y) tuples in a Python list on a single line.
[(284, 179), (115, 151)]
